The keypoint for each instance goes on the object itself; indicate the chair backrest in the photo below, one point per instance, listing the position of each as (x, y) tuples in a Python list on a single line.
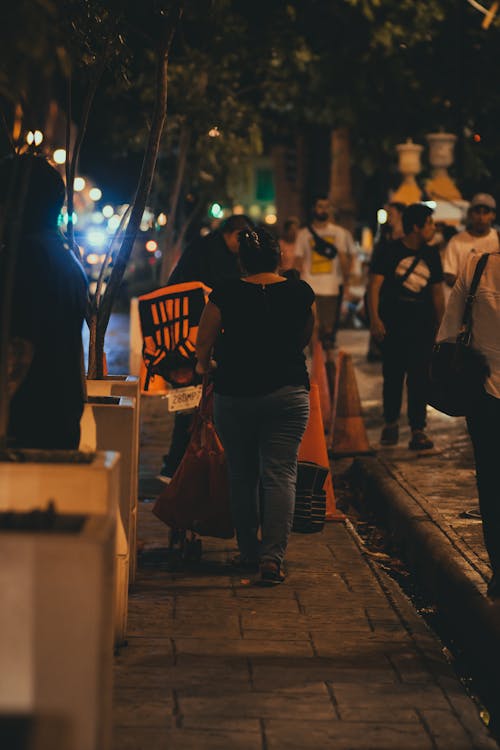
[(169, 322)]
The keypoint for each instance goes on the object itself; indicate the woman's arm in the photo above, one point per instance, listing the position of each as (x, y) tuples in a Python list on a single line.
[(208, 330)]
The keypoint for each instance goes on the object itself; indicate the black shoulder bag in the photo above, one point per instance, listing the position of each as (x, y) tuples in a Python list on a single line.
[(322, 246), (458, 371)]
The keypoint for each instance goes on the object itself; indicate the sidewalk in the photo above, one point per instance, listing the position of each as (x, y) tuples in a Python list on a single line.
[(444, 476), (421, 497), (335, 657)]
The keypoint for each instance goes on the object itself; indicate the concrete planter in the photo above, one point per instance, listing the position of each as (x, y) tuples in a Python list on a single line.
[(108, 424), (75, 488), (128, 386), (56, 626)]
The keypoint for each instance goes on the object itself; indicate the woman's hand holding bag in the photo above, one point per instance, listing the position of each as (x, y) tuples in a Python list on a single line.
[(197, 498)]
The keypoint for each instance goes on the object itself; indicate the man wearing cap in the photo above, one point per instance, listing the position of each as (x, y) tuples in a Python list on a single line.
[(479, 237)]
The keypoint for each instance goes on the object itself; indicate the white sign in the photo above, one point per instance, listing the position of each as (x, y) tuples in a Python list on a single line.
[(182, 399)]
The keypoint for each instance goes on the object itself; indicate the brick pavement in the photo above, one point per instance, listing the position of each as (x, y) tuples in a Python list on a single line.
[(444, 476), (336, 657)]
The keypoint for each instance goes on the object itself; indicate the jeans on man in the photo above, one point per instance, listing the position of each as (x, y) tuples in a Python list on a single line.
[(485, 436), (261, 437)]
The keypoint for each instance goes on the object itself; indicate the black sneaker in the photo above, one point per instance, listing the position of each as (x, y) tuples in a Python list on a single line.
[(271, 573), (474, 513), (420, 441), (390, 435), (166, 472)]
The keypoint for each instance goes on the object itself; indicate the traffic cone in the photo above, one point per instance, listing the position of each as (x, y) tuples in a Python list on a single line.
[(319, 376), (347, 436), (313, 448)]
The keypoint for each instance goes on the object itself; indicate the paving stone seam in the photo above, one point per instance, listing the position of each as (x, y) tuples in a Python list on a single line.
[(437, 518), (331, 693), (427, 729), (383, 581), (263, 737)]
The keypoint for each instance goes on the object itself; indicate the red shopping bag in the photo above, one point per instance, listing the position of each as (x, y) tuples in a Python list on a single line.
[(197, 498)]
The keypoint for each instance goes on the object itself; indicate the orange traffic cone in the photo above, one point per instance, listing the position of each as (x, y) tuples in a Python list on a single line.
[(313, 448), (318, 375), (347, 436)]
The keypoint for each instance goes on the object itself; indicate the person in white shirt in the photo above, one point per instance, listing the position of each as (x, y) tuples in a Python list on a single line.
[(483, 422), (324, 253), (479, 237)]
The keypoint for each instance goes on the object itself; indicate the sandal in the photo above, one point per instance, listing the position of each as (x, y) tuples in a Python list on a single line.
[(271, 573), (420, 441)]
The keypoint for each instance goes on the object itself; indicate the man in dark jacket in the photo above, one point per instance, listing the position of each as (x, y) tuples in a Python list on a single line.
[(49, 295)]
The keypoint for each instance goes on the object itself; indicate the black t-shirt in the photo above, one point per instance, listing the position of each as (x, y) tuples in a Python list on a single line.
[(411, 297), (261, 345), (48, 308)]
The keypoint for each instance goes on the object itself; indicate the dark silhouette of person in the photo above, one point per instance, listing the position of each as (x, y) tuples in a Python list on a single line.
[(211, 259), (49, 296)]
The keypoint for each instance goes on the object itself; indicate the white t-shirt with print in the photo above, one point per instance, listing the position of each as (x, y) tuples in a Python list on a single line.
[(324, 275), (462, 244)]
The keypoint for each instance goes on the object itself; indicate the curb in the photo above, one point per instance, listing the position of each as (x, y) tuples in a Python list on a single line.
[(430, 551)]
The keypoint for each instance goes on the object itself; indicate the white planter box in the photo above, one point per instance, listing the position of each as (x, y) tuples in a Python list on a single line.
[(56, 627), (75, 488), (110, 427), (129, 386)]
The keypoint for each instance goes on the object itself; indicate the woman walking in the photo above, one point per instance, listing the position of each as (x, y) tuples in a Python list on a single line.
[(256, 328)]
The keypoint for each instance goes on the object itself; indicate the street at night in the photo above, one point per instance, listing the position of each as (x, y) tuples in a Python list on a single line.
[(249, 375)]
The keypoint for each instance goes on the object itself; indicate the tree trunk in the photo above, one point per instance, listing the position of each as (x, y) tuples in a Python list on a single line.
[(170, 241), (103, 311), (340, 177), (72, 163)]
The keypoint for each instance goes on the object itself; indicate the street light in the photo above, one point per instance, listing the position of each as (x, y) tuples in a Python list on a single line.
[(59, 155)]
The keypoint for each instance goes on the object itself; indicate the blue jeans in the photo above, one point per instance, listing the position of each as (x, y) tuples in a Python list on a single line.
[(261, 437)]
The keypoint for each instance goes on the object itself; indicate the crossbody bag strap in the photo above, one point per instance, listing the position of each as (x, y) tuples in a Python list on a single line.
[(410, 269), (317, 237), (465, 333)]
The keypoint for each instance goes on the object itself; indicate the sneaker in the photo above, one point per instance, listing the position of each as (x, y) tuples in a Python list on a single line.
[(474, 513), (271, 573), (420, 441), (165, 474), (390, 435)]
